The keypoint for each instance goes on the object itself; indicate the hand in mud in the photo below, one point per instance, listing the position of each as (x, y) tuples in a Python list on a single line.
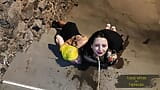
[(112, 56)]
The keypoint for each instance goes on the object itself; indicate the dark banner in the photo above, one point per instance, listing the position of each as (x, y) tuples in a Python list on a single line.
[(136, 81)]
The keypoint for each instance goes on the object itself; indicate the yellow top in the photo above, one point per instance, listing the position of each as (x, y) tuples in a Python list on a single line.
[(69, 52)]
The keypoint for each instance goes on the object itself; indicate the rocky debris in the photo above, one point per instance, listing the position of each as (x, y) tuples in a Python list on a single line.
[(4, 24), (24, 21)]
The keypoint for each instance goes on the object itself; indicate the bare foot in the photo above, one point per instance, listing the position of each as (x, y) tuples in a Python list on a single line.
[(62, 22), (113, 28), (109, 27)]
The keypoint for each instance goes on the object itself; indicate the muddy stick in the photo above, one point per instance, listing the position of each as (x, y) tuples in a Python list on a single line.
[(99, 74), (21, 85)]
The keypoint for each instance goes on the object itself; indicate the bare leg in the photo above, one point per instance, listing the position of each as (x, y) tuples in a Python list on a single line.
[(62, 23), (59, 40), (58, 24)]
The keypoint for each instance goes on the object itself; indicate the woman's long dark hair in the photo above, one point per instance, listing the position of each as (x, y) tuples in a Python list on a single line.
[(86, 49)]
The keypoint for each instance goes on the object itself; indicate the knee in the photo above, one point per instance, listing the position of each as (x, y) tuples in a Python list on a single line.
[(59, 40)]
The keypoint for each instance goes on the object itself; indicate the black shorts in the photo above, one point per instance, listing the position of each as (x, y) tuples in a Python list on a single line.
[(68, 30)]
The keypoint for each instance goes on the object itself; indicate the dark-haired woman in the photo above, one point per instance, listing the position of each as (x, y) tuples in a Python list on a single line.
[(103, 45)]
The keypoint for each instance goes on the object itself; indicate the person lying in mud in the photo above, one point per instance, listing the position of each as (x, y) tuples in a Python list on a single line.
[(103, 45), (69, 40)]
